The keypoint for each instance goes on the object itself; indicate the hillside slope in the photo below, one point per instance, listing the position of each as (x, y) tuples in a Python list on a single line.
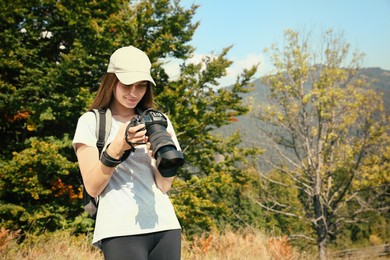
[(249, 126)]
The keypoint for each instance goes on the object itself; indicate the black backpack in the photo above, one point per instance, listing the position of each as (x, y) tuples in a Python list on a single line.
[(103, 127)]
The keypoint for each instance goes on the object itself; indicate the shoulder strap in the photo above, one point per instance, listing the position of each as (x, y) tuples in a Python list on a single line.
[(139, 110), (103, 126)]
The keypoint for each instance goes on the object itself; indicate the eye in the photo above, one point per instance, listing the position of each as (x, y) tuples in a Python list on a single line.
[(142, 84)]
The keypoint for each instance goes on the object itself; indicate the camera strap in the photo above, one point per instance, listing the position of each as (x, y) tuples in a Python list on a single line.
[(141, 112)]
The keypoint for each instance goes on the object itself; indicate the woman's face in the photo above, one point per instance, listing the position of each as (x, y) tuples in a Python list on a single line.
[(130, 95)]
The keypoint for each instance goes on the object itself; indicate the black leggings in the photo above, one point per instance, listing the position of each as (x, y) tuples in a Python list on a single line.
[(159, 245)]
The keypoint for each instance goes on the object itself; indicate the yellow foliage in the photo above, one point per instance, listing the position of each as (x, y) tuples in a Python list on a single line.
[(375, 240)]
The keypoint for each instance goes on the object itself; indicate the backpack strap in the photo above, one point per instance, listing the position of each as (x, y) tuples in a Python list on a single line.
[(103, 127)]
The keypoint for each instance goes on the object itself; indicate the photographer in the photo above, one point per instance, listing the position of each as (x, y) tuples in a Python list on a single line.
[(135, 218)]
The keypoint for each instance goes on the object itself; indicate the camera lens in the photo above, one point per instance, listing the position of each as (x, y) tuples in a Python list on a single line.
[(168, 158)]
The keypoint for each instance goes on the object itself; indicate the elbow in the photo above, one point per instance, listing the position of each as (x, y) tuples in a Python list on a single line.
[(164, 184), (92, 188), (92, 192), (165, 188)]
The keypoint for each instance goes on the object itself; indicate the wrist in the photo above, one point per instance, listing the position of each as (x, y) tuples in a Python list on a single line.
[(114, 151), (109, 161)]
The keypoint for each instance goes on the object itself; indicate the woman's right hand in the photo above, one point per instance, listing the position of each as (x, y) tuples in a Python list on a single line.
[(135, 135)]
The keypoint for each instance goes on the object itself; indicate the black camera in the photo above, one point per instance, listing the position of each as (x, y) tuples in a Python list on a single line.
[(168, 158)]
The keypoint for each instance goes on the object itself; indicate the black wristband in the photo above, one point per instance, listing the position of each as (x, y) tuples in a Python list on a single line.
[(108, 161)]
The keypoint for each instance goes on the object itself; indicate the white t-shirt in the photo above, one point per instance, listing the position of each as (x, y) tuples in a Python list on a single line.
[(131, 203)]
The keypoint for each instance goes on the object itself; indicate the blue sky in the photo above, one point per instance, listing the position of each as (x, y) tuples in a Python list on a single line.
[(252, 25)]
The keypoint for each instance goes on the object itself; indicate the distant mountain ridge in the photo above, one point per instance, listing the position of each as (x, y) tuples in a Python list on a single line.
[(249, 126)]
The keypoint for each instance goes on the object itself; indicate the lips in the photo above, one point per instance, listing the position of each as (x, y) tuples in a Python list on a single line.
[(131, 100)]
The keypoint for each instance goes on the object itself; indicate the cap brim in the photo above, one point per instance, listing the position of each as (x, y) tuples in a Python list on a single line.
[(129, 78)]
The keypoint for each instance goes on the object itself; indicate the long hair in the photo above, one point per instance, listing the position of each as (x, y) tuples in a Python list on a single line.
[(105, 93)]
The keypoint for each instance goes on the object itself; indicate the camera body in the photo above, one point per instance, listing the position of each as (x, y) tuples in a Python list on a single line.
[(168, 158)]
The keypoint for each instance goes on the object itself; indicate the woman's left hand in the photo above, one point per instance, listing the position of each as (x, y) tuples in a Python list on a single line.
[(149, 149)]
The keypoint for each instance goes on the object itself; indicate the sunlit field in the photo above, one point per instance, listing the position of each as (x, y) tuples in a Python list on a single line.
[(245, 245), (62, 245)]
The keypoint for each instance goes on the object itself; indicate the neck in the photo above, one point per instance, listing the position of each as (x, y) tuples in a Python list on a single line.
[(122, 114)]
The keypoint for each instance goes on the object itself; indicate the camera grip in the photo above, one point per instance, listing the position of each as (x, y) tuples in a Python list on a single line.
[(131, 124)]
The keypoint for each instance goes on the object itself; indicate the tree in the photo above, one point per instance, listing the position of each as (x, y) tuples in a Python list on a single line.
[(209, 195), (330, 132), (53, 53)]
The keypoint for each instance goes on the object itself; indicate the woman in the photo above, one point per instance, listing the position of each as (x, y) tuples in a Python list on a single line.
[(135, 218)]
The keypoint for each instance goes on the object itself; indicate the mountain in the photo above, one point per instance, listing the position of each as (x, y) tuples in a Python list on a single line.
[(380, 82), (249, 126)]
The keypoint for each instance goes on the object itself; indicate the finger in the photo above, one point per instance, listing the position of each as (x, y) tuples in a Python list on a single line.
[(148, 145), (139, 128), (137, 138), (135, 129)]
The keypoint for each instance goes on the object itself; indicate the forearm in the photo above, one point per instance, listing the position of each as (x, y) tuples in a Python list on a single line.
[(95, 174), (164, 184), (97, 179)]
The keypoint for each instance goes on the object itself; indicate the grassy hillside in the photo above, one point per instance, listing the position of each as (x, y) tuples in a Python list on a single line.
[(62, 245), (244, 245)]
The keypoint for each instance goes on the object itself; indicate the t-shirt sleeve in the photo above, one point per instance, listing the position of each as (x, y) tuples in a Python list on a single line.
[(170, 130), (85, 130)]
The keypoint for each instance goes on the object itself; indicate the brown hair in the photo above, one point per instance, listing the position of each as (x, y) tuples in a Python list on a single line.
[(105, 93)]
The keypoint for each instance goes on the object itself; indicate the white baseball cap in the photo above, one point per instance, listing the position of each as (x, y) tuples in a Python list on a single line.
[(130, 65)]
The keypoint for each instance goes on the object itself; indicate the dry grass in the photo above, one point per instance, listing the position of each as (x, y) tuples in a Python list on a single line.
[(244, 245), (53, 246), (241, 246)]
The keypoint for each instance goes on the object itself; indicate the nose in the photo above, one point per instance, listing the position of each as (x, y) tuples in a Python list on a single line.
[(133, 91)]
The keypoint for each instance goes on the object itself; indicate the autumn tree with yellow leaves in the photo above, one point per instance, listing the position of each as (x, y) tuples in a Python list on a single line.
[(330, 133)]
